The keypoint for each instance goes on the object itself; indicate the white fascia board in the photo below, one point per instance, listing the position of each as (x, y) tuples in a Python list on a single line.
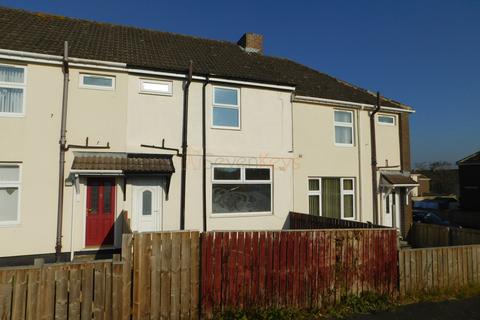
[(347, 104), (97, 172), (256, 84)]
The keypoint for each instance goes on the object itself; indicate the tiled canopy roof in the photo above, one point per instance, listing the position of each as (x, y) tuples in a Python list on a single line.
[(398, 179), (148, 49), (128, 163)]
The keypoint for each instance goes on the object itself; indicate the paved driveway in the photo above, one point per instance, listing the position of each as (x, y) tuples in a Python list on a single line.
[(467, 309)]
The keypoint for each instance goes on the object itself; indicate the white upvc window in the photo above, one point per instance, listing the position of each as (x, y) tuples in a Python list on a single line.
[(242, 189), (386, 120), (332, 197), (343, 124), (96, 81), (156, 87), (10, 177), (12, 90), (226, 108)]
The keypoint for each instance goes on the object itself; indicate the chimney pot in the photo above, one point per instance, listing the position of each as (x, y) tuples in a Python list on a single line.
[(251, 42)]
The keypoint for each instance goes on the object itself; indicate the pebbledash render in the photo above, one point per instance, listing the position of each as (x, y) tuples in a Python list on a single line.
[(167, 132)]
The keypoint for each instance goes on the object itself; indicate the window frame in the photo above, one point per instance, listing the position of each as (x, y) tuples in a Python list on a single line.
[(153, 92), (343, 192), (15, 85), (226, 106), (13, 184), (394, 123), (344, 125), (242, 180), (95, 87)]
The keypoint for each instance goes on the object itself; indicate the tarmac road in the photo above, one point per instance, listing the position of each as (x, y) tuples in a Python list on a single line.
[(465, 309)]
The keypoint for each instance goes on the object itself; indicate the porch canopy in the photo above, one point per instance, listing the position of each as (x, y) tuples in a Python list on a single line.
[(122, 163), (390, 181)]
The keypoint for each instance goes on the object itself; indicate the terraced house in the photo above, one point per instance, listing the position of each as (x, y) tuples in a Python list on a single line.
[(107, 127)]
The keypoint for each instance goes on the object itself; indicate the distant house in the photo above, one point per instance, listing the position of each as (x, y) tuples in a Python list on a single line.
[(423, 185), (469, 176)]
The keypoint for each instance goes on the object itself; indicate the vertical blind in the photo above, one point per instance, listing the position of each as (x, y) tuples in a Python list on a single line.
[(331, 201)]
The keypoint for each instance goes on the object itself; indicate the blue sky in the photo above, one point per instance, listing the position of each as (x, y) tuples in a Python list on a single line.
[(422, 53)]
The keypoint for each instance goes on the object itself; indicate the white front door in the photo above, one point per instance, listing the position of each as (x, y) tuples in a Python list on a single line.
[(148, 204), (391, 209)]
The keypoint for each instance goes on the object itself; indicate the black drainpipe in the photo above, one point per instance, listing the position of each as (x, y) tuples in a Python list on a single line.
[(204, 152), (186, 90), (374, 159), (63, 148)]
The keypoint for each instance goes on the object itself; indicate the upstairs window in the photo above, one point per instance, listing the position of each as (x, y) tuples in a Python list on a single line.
[(156, 87), (386, 120), (12, 90), (9, 194), (226, 108), (99, 82), (343, 123)]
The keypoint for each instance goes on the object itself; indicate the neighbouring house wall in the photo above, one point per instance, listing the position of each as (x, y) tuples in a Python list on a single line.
[(318, 156), (100, 115), (33, 141), (264, 139), (407, 218), (469, 179)]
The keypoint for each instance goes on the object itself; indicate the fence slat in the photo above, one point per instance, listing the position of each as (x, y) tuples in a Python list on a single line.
[(61, 294), (155, 274), (6, 291), (127, 244), (175, 270), (185, 276), (32, 294), (194, 275), (19, 295), (87, 292), (165, 275), (117, 272)]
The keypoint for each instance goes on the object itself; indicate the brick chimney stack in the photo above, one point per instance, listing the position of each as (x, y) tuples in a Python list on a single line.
[(251, 42)]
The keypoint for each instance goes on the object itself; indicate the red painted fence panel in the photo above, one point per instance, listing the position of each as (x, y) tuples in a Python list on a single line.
[(305, 269)]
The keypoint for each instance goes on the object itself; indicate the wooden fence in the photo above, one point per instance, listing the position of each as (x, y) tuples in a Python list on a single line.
[(61, 291), (295, 268), (165, 280), (158, 278), (161, 275), (424, 235), (434, 269), (301, 221)]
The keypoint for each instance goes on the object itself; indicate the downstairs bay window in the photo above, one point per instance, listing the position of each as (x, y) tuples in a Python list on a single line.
[(332, 197), (241, 189)]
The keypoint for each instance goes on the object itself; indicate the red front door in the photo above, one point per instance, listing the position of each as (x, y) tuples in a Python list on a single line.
[(100, 211)]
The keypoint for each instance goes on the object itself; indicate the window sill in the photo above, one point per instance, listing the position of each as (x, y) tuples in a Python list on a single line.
[(11, 115), (156, 93), (342, 145), (96, 88), (226, 128), (9, 224), (241, 215)]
